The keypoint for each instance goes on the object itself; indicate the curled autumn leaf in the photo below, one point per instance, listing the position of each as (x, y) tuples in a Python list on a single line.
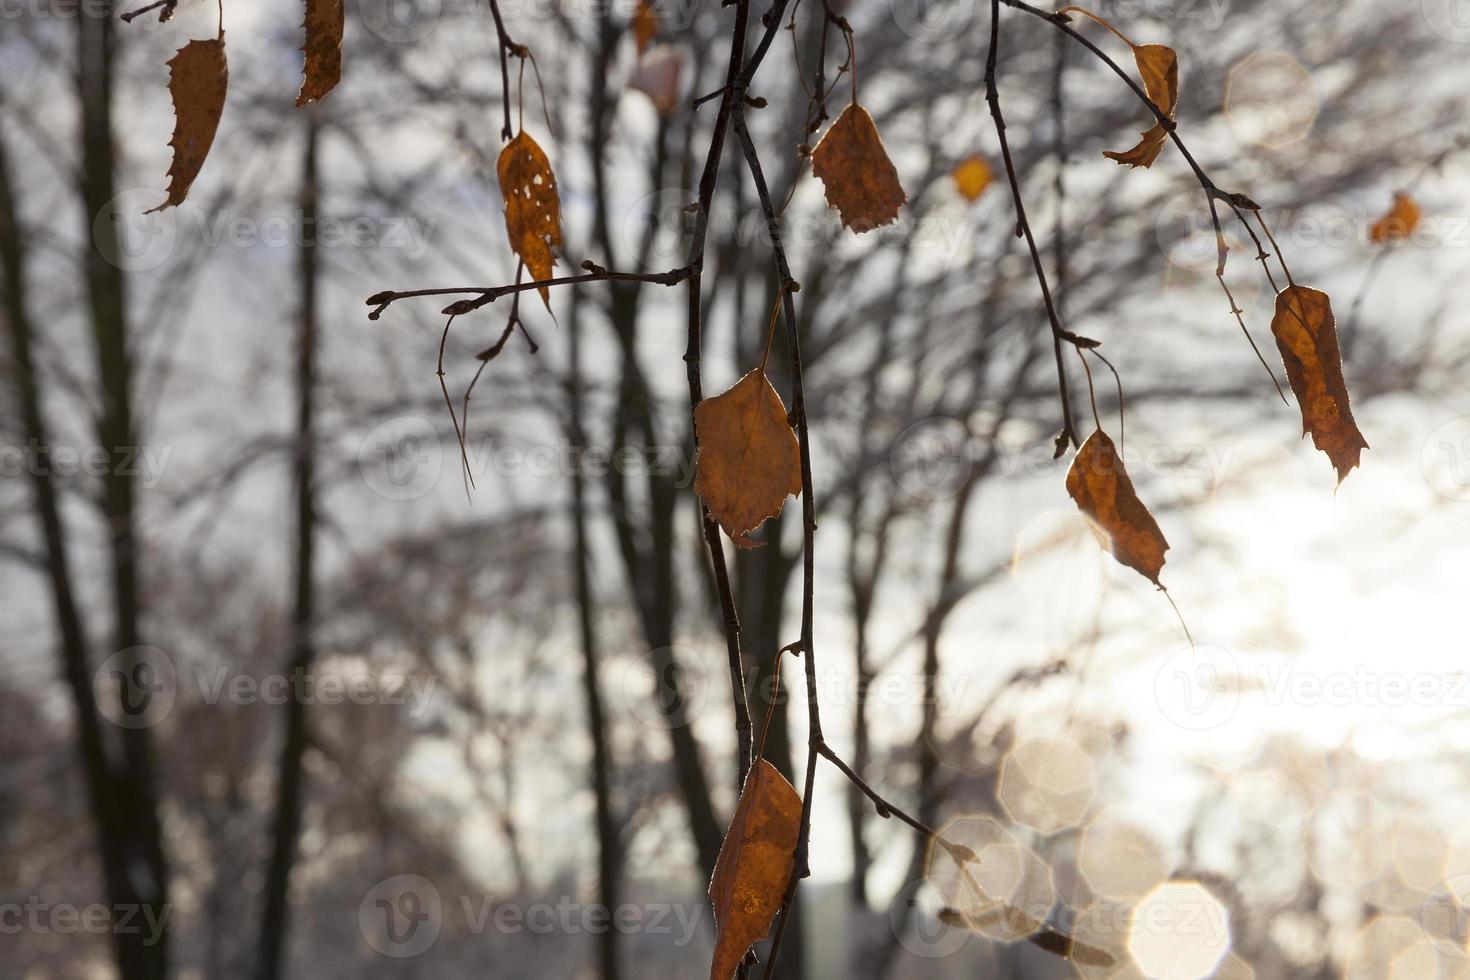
[(198, 78), (532, 207), (1306, 334), (645, 25), (859, 179), (1399, 223), (323, 49), (1102, 490), (971, 176), (1158, 66), (749, 459), (754, 866)]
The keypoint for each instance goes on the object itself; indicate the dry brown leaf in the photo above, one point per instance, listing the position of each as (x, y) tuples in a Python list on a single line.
[(749, 459), (645, 25), (754, 866), (532, 207), (1399, 223), (1306, 334), (855, 170), (323, 48), (971, 176), (1102, 490), (1158, 66), (198, 77)]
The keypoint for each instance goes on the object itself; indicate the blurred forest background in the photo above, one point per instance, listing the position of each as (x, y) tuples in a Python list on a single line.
[(487, 719)]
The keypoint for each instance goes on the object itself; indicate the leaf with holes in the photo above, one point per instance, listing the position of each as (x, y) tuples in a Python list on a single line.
[(1306, 335), (198, 79), (1158, 66), (1102, 490), (754, 866), (749, 459), (532, 208), (1399, 223), (859, 179), (971, 176), (323, 67)]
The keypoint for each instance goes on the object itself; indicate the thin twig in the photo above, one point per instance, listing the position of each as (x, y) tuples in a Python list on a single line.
[(485, 295)]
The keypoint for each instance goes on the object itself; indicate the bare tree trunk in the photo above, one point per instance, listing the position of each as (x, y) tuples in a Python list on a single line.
[(136, 814), (274, 919), (102, 795), (649, 568), (609, 865)]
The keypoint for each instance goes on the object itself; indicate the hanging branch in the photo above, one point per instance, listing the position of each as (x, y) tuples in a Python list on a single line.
[(1067, 437), (508, 48), (734, 101), (1214, 194)]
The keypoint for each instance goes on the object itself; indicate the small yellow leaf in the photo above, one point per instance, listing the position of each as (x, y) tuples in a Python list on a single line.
[(860, 180), (754, 866), (749, 459), (645, 25), (1306, 335), (1158, 66), (1399, 223), (532, 207), (1102, 490), (323, 48), (198, 79), (972, 176)]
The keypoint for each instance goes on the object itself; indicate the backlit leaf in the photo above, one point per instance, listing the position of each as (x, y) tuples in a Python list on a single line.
[(1102, 490), (754, 866), (972, 176), (859, 179), (749, 459), (1399, 223), (657, 76), (323, 48), (1158, 66), (645, 25), (1306, 334), (532, 207), (198, 77)]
